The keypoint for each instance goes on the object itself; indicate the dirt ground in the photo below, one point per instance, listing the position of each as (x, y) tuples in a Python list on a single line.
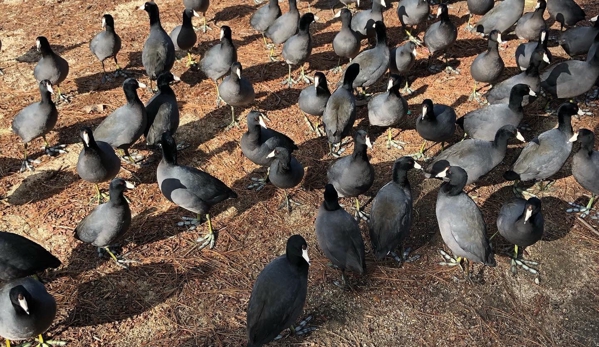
[(178, 295)]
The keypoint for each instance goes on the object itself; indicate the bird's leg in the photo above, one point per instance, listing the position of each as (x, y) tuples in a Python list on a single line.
[(412, 38), (104, 77), (475, 95), (314, 128), (120, 261), (265, 43), (405, 256), (335, 150), (27, 163), (205, 26), (100, 195), (287, 201), (234, 122), (583, 210), (307, 79), (271, 54), (53, 150), (469, 26), (119, 71), (359, 213), (190, 61), (448, 68), (60, 96), (526, 265), (337, 69), (259, 183), (395, 143), (131, 159), (7, 342), (289, 81), (210, 238), (407, 89), (420, 153), (302, 328), (448, 260), (218, 98), (43, 343)]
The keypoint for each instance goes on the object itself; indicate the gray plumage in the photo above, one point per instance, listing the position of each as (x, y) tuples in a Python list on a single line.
[(259, 141), (479, 7), (236, 90), (373, 62), (515, 227), (488, 66), (460, 221), (123, 127), (338, 234), (412, 12), (501, 17), (265, 16), (183, 36), (197, 5), (565, 12), (285, 26), (285, 171), (158, 54), (388, 108), (162, 111), (391, 212), (346, 43), (437, 122), (578, 40), (313, 99), (545, 155), (279, 294), (402, 58), (340, 112), (299, 46), (217, 60), (108, 222), (15, 322), (21, 257), (353, 174), (585, 164), (362, 22), (51, 66), (97, 161), (37, 119), (440, 35), (107, 43), (483, 123), (478, 157), (525, 51), (530, 24)]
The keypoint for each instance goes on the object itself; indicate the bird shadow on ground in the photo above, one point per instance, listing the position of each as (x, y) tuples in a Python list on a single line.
[(324, 62), (9, 166), (41, 185), (93, 83), (70, 134), (33, 56), (264, 72), (233, 12), (280, 100), (138, 290)]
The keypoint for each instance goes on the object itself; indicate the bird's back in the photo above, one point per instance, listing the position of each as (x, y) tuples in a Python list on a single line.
[(20, 257)]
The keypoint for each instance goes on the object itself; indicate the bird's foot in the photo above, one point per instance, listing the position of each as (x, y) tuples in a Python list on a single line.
[(189, 223), (395, 143), (361, 215), (413, 38), (120, 73), (132, 159), (63, 98), (105, 78), (405, 256), (468, 27), (526, 265), (218, 101), (258, 2), (584, 211), (233, 124), (420, 156), (289, 82), (207, 240), (27, 165), (104, 197), (336, 70), (306, 79), (55, 150), (524, 127), (301, 329), (314, 128), (407, 91), (450, 70), (257, 184), (338, 152), (191, 63), (44, 343), (287, 202), (448, 260), (477, 97), (182, 145)]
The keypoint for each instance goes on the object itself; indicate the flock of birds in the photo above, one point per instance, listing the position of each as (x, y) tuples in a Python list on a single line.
[(279, 293)]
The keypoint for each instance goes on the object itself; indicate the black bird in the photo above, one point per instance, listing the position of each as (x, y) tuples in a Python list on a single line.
[(106, 44), (183, 36), (346, 43), (284, 27), (440, 36), (217, 61), (391, 212), (585, 164), (487, 66), (412, 13), (478, 7), (373, 62), (298, 48), (362, 22), (401, 62), (158, 54), (437, 123), (313, 99), (162, 110), (190, 188), (285, 172), (578, 40), (525, 51), (388, 109), (200, 6), (236, 91), (530, 24), (51, 66), (21, 257), (265, 16), (279, 294), (501, 17), (565, 12)]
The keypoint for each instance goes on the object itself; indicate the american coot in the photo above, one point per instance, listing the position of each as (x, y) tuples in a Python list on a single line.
[(285, 172), (27, 310), (412, 13), (190, 188), (97, 161), (483, 123), (362, 22), (123, 127), (313, 99), (21, 257), (500, 93), (106, 43), (265, 16), (236, 91), (346, 43), (200, 6), (460, 221), (565, 12), (572, 78), (158, 54), (279, 294), (521, 222), (339, 236), (340, 112), (391, 212), (478, 157), (437, 123), (353, 175), (478, 7), (298, 48), (440, 36), (578, 40), (36, 120), (183, 36), (51, 66), (388, 109), (585, 164), (545, 155), (284, 27), (217, 60), (401, 61), (501, 18), (162, 110), (107, 223), (373, 62), (487, 66), (530, 24), (525, 51)]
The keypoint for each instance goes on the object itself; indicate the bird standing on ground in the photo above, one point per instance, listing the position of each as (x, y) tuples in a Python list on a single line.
[(487, 66), (388, 109), (285, 172), (401, 62), (162, 110), (217, 61), (440, 36), (183, 36), (373, 62), (313, 99), (158, 54), (362, 22), (565, 12), (283, 28), (106, 44), (200, 6), (236, 91), (585, 164), (501, 17), (530, 24), (412, 13), (51, 66), (437, 123), (478, 7), (264, 17), (346, 43), (298, 48)]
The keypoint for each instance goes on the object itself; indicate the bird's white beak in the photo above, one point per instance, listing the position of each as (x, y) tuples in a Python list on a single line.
[(142, 7), (390, 84), (38, 45), (305, 255), (222, 34), (415, 52), (424, 110), (50, 89), (574, 137), (543, 35), (383, 3), (316, 80), (499, 38), (520, 137), (417, 166), (176, 78), (538, 5), (580, 112), (141, 85), (86, 138), (546, 58), (338, 14), (271, 154), (261, 122), (195, 14), (103, 22), (532, 93), (368, 143), (129, 185), (443, 173), (238, 72), (594, 19), (23, 304), (439, 12), (527, 215)]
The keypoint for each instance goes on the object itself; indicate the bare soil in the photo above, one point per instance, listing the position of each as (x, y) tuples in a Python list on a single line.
[(178, 295)]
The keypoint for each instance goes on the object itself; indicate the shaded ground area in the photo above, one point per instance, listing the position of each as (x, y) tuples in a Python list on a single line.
[(180, 296)]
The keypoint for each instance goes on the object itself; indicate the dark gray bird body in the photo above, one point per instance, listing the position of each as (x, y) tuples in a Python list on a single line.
[(217, 60), (412, 12), (346, 43), (265, 16), (285, 26), (441, 35), (361, 22), (480, 7), (285, 171), (97, 161), (501, 17), (197, 5), (21, 257), (158, 53), (37, 119), (258, 142), (585, 164), (162, 111), (488, 66), (107, 43), (402, 58), (578, 40), (51, 66), (183, 36), (525, 51), (513, 225), (388, 108), (340, 112), (299, 46), (313, 99), (437, 122), (235, 90), (566, 12), (353, 174), (373, 62), (530, 24)]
